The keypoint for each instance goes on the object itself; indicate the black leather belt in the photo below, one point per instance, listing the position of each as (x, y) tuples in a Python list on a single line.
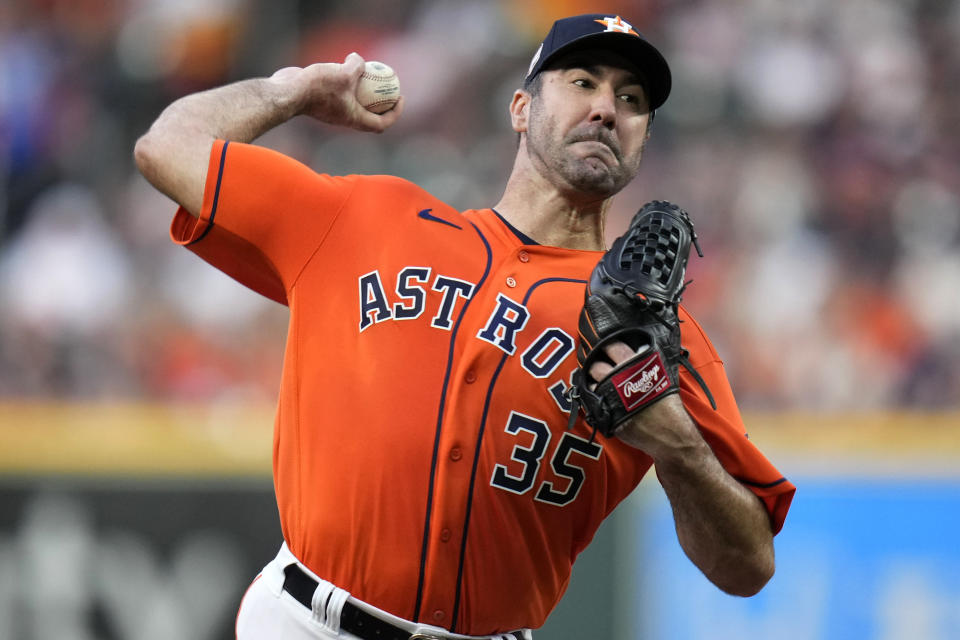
[(353, 619)]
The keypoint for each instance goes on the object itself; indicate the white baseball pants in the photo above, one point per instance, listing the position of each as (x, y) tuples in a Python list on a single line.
[(267, 612)]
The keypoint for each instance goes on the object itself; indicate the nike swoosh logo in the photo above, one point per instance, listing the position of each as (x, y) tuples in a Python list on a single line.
[(426, 215)]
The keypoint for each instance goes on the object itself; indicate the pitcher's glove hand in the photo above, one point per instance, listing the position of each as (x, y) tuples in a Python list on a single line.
[(632, 297)]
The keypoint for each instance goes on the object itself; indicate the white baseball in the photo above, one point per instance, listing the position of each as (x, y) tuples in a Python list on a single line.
[(379, 87)]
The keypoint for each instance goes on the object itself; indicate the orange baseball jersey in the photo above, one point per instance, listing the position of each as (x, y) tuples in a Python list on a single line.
[(421, 456)]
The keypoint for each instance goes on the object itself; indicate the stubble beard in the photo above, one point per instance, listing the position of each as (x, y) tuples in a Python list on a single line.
[(588, 176)]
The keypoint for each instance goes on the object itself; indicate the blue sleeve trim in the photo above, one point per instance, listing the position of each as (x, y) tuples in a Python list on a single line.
[(216, 194), (760, 485)]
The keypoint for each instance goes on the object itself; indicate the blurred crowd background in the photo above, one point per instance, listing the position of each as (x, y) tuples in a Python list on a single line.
[(816, 144)]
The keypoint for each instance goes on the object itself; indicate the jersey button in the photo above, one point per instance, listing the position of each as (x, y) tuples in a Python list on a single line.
[(523, 256), (511, 282), (439, 615), (445, 535), (455, 454), (470, 376)]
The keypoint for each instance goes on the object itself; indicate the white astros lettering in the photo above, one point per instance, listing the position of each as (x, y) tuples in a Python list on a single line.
[(644, 384), (411, 293), (412, 297)]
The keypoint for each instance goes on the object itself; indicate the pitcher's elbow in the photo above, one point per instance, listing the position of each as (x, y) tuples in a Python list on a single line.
[(749, 577), (144, 154)]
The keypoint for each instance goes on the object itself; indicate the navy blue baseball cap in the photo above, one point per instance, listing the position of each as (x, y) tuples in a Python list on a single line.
[(603, 31)]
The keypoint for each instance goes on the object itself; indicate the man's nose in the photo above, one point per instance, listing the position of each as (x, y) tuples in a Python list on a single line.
[(603, 108)]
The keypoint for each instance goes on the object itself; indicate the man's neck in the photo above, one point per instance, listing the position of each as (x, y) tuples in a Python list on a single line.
[(542, 212)]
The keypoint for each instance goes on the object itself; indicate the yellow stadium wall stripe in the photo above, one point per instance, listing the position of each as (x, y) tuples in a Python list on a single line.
[(137, 439), (222, 439), (875, 443)]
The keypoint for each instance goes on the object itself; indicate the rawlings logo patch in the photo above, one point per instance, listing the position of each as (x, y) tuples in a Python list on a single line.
[(646, 382), (642, 382)]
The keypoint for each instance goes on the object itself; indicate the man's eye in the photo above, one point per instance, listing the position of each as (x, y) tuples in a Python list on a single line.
[(583, 82), (632, 99)]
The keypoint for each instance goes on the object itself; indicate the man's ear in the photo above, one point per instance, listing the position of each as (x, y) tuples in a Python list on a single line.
[(519, 110)]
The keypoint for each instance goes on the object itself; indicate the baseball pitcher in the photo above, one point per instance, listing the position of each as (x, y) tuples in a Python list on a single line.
[(466, 395)]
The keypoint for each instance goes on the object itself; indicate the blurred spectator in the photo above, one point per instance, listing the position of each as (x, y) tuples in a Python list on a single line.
[(816, 145), (64, 281)]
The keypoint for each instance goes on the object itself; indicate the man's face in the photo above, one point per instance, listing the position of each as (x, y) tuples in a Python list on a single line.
[(588, 125)]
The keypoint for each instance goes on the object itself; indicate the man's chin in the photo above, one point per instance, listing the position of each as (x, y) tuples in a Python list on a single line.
[(599, 182)]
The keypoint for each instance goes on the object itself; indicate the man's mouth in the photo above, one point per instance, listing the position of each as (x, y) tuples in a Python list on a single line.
[(600, 147), (601, 142), (597, 150)]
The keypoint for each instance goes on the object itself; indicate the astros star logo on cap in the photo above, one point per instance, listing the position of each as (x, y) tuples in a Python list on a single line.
[(618, 24)]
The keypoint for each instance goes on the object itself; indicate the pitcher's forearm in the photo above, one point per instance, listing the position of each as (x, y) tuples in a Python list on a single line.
[(242, 111), (721, 525), (174, 153)]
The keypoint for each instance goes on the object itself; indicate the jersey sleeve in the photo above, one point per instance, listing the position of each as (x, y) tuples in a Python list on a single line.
[(264, 214), (723, 428)]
